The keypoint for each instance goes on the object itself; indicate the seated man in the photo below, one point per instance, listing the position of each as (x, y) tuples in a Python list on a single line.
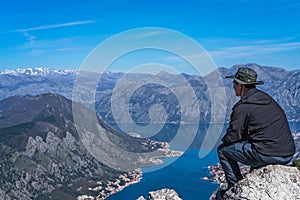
[(258, 132)]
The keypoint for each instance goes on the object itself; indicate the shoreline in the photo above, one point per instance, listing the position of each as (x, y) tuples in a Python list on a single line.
[(216, 173), (106, 189)]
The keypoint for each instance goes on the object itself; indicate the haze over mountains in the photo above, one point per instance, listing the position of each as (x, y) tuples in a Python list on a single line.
[(283, 85)]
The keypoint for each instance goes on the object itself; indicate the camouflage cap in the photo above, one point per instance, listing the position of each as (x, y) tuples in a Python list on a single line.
[(246, 76)]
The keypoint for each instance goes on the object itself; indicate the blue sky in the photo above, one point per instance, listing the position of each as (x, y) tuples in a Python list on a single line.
[(60, 34)]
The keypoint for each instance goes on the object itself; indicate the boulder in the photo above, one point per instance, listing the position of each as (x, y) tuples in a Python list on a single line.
[(163, 194), (272, 182)]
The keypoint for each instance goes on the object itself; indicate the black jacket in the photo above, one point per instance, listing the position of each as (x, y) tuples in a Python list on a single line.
[(258, 119)]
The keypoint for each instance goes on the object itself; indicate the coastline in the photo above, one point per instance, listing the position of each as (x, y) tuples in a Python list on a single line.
[(106, 189), (216, 173), (154, 158), (183, 174)]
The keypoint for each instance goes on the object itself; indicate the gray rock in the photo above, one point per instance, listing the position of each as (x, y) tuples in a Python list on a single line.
[(69, 141), (163, 194), (30, 147), (52, 142), (272, 182), (47, 155)]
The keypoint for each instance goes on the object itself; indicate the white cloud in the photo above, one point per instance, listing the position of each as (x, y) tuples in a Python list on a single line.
[(256, 48), (30, 37), (55, 26), (37, 46), (148, 34), (36, 52), (69, 48), (188, 57)]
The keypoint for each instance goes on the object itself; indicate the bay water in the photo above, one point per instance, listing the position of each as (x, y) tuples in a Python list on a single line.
[(184, 174)]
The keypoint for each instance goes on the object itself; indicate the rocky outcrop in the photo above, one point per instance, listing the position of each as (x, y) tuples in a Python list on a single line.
[(272, 182), (43, 157), (163, 194)]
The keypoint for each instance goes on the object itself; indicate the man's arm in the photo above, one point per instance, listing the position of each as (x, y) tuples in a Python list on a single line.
[(237, 129)]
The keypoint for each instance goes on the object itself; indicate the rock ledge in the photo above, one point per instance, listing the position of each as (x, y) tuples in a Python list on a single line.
[(163, 194), (270, 182)]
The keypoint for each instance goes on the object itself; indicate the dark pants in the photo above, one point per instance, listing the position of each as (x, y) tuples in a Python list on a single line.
[(244, 153)]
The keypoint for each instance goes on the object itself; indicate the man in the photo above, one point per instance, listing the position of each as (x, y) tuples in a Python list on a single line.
[(258, 132)]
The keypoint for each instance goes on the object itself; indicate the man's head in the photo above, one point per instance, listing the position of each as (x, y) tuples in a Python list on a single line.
[(243, 80)]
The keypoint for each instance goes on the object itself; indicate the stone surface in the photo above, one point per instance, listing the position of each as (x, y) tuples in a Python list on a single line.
[(163, 194), (272, 182)]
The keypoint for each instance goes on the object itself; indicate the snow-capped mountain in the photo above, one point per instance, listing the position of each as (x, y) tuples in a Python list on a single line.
[(281, 84), (40, 71)]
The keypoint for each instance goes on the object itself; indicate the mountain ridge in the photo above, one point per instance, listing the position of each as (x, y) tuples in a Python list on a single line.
[(147, 99), (44, 71), (43, 154)]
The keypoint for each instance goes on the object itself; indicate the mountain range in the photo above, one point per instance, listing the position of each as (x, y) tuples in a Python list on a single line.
[(53, 147), (282, 85)]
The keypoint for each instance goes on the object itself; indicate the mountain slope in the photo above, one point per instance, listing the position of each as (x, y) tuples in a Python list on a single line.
[(43, 156)]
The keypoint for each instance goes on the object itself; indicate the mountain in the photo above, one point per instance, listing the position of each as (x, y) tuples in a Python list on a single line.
[(46, 154), (36, 72), (51, 147), (145, 101), (281, 84), (36, 81)]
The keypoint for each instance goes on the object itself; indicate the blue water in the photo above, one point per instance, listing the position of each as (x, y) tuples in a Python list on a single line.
[(184, 175)]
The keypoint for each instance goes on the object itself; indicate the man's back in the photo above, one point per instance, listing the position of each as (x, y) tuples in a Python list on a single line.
[(267, 126)]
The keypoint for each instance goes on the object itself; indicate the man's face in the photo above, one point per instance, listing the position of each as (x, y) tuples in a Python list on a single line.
[(237, 88)]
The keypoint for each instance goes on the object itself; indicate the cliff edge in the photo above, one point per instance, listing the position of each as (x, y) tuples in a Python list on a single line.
[(163, 194), (271, 182)]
